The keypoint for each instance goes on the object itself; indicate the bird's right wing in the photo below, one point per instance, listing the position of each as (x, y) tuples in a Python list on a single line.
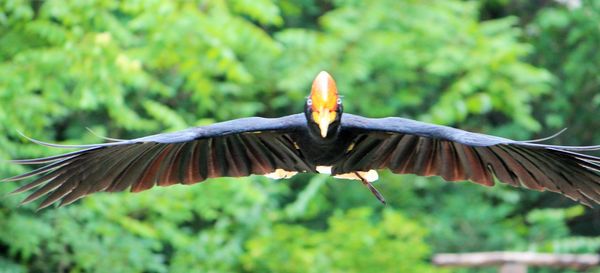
[(408, 146), (234, 148)]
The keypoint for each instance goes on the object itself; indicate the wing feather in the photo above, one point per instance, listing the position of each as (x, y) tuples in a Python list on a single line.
[(428, 149), (264, 156), (39, 181), (474, 169), (401, 159), (424, 157), (513, 165), (166, 169), (149, 172), (497, 165), (239, 156), (115, 164), (539, 170), (384, 152), (135, 170), (261, 163), (556, 181), (193, 169), (450, 160), (235, 148)]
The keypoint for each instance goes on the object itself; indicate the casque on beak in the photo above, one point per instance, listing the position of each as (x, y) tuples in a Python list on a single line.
[(324, 97)]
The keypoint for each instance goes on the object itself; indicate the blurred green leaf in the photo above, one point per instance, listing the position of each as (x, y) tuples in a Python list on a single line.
[(132, 68)]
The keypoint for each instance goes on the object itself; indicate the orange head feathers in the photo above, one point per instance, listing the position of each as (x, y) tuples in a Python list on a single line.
[(324, 101)]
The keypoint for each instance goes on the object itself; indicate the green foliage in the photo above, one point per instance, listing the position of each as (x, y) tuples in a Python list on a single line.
[(129, 68), (366, 246), (570, 39), (432, 56)]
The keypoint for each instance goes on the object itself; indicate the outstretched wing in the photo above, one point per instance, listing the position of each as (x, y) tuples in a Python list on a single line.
[(234, 148), (408, 146)]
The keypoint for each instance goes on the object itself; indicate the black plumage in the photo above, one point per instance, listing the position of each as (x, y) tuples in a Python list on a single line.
[(321, 136)]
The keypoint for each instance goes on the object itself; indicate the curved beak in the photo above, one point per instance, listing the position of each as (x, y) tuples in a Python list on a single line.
[(324, 119)]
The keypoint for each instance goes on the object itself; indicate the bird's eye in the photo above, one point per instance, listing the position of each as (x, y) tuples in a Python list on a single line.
[(339, 101), (309, 102)]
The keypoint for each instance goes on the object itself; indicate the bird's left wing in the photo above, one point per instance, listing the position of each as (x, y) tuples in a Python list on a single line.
[(408, 146), (233, 148)]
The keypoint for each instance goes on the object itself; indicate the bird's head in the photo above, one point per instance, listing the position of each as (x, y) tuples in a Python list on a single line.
[(324, 105)]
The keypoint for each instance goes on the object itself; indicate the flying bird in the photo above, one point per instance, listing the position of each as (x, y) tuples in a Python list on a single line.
[(323, 139)]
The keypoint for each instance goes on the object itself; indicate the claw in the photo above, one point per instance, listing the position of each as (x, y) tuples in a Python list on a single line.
[(373, 190)]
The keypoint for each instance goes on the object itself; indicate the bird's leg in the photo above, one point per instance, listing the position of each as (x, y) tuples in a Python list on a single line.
[(373, 190)]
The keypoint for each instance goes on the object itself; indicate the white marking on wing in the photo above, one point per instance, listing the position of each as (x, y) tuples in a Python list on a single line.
[(370, 176), (280, 174), (324, 169)]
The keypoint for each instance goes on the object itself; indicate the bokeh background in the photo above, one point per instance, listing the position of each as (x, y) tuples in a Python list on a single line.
[(515, 68)]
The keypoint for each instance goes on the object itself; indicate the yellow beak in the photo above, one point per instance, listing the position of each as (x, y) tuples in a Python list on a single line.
[(323, 119)]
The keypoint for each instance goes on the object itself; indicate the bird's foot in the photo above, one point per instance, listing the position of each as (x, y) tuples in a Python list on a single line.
[(373, 190)]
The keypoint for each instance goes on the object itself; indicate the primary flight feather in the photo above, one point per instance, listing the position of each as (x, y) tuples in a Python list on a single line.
[(320, 140)]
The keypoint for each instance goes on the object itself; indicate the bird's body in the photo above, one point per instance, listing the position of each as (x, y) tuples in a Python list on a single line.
[(323, 152), (320, 140)]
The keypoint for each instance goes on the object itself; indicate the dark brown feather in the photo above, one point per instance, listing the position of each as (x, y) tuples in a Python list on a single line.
[(132, 168), (424, 157), (448, 165), (534, 165), (514, 166), (150, 172), (192, 169), (165, 174), (64, 189), (235, 159), (384, 152), (40, 180), (497, 165), (402, 157), (261, 163), (476, 171)]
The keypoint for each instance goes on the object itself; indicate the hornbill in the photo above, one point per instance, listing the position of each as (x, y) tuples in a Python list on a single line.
[(320, 140)]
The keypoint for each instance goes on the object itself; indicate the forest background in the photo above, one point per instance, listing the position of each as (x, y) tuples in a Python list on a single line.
[(515, 68)]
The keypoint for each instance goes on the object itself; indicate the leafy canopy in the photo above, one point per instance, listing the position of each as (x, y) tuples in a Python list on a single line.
[(130, 68)]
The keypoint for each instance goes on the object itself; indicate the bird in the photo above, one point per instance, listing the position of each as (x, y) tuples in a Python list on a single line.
[(322, 139)]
